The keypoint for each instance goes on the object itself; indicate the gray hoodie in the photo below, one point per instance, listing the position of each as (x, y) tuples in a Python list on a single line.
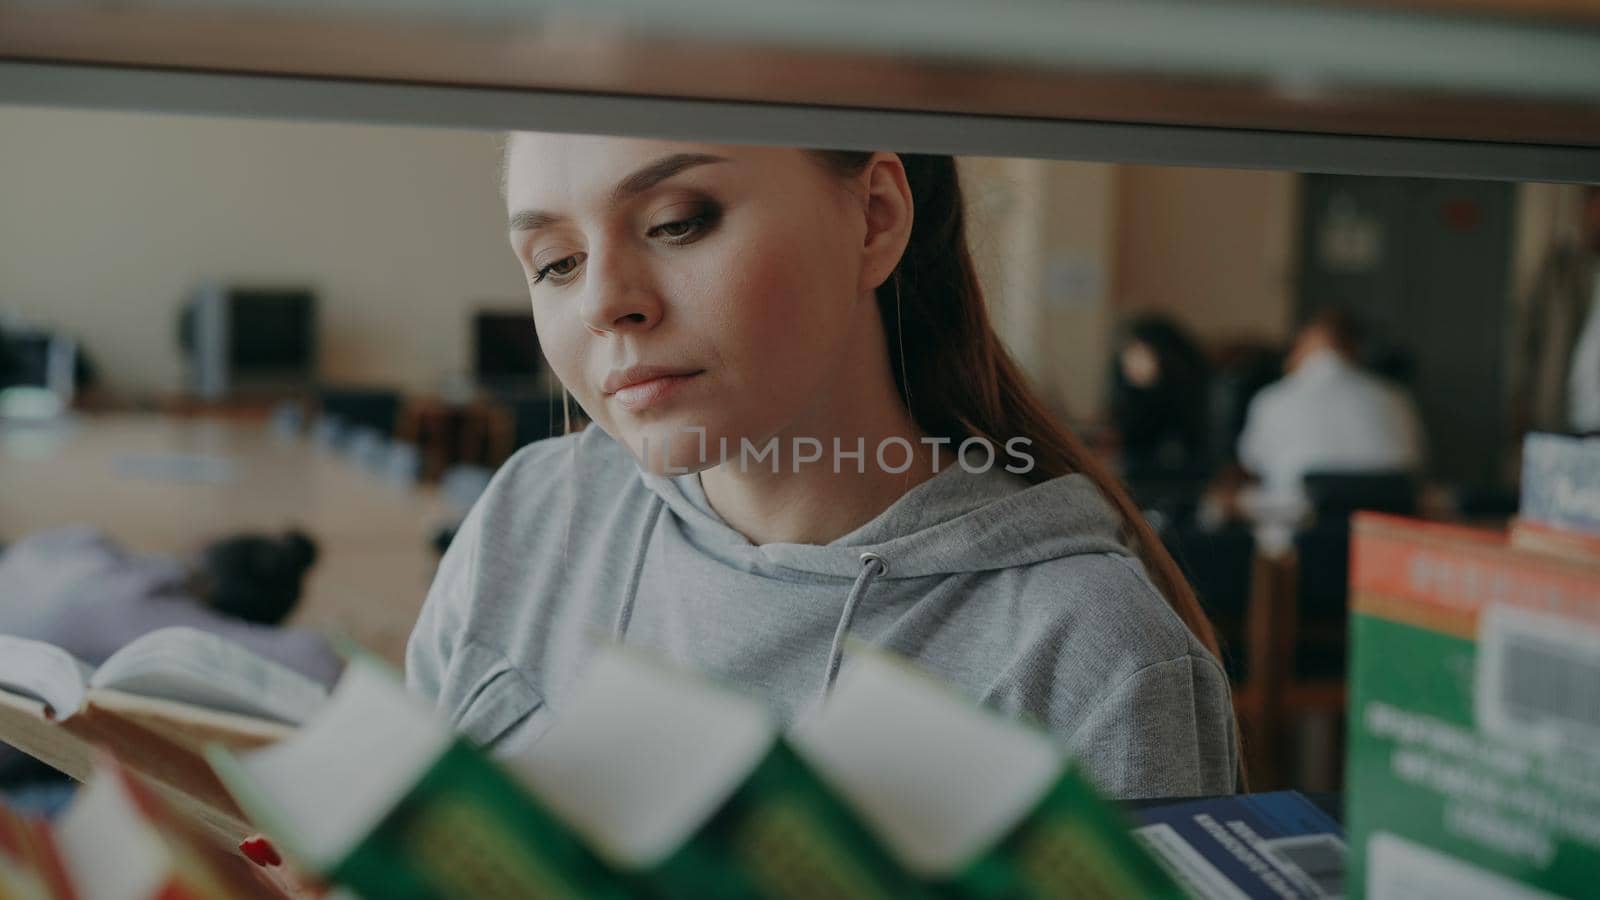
[(1021, 596)]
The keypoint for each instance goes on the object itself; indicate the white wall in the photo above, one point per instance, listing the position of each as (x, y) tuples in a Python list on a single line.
[(1043, 235), (108, 219), (1214, 248)]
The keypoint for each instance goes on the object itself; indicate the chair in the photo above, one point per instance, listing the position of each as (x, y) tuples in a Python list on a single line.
[(1338, 495), (1241, 594), (403, 464), (1314, 612), (461, 485), (288, 419), (537, 418), (367, 448), (375, 408), (329, 432)]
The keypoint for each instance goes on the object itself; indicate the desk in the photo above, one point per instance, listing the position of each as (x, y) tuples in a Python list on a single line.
[(375, 561), (478, 431)]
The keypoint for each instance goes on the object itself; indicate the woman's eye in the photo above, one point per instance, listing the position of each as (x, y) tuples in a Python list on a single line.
[(559, 268), (683, 229), (676, 229)]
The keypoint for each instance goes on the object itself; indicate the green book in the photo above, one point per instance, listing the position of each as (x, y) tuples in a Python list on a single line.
[(974, 805), (376, 794), (690, 789), (1474, 762)]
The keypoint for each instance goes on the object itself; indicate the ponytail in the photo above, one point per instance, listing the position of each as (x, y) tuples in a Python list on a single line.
[(962, 383)]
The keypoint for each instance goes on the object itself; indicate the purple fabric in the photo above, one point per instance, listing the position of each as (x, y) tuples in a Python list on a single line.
[(76, 588)]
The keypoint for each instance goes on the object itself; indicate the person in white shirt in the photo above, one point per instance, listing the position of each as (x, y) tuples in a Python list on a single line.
[(1325, 415)]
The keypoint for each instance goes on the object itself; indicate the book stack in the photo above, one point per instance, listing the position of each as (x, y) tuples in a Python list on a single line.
[(655, 783), (1474, 755)]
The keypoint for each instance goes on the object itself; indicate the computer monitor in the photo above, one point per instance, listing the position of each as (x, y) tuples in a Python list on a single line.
[(38, 373), (249, 339), (505, 349)]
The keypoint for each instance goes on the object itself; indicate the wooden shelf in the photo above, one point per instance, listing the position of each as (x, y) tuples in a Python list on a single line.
[(1487, 87)]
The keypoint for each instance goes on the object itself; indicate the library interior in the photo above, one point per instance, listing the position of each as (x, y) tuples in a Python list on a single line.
[(1315, 287)]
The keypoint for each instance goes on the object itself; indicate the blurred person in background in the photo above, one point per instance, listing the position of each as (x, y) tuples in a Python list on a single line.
[(1159, 385), (76, 588), (1326, 414)]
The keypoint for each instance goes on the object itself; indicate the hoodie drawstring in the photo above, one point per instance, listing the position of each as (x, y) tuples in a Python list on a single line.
[(872, 566), (625, 614)]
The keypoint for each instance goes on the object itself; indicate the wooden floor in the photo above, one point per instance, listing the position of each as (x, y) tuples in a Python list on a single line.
[(167, 485)]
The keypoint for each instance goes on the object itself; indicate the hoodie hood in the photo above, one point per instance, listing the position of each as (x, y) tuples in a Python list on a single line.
[(957, 521), (1019, 596)]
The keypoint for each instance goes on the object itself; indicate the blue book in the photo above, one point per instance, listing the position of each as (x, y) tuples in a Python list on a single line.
[(1278, 845)]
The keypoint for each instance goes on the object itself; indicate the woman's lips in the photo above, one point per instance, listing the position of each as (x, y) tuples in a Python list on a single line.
[(642, 395)]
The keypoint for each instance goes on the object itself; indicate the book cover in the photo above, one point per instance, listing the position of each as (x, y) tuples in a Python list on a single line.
[(689, 789), (1072, 844), (971, 803), (1474, 755), (1274, 845)]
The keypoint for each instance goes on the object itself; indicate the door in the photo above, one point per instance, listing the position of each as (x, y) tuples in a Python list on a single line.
[(1425, 265)]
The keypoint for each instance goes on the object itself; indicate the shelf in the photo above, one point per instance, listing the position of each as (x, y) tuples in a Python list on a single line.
[(1485, 88)]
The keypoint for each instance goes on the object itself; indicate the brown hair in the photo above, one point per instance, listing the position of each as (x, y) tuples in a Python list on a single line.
[(1341, 327), (962, 383)]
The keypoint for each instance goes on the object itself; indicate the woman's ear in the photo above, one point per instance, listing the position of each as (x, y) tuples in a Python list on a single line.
[(889, 211)]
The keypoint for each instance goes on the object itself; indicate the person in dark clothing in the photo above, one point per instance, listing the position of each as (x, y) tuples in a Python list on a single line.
[(1159, 384), (256, 578), (77, 588)]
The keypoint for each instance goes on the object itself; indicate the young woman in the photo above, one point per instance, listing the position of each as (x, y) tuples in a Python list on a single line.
[(804, 430)]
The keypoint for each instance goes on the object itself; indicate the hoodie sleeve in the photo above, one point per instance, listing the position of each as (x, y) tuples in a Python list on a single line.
[(473, 685), (441, 630), (1165, 731)]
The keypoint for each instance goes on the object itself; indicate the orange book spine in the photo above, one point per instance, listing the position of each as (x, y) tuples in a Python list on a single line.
[(52, 871), (29, 852), (1450, 573)]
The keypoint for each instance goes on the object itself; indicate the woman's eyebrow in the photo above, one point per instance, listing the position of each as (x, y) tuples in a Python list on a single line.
[(640, 181)]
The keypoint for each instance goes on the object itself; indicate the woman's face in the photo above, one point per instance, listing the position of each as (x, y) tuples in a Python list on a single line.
[(1140, 366), (687, 286)]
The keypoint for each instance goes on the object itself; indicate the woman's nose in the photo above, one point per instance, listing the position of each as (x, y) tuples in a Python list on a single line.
[(620, 297)]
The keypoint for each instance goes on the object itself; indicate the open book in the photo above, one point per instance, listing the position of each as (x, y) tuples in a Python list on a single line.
[(183, 665), (155, 704)]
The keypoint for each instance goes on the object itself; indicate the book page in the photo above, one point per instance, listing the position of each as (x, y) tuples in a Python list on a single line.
[(193, 666), (940, 778), (106, 845), (644, 755), (43, 672)]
